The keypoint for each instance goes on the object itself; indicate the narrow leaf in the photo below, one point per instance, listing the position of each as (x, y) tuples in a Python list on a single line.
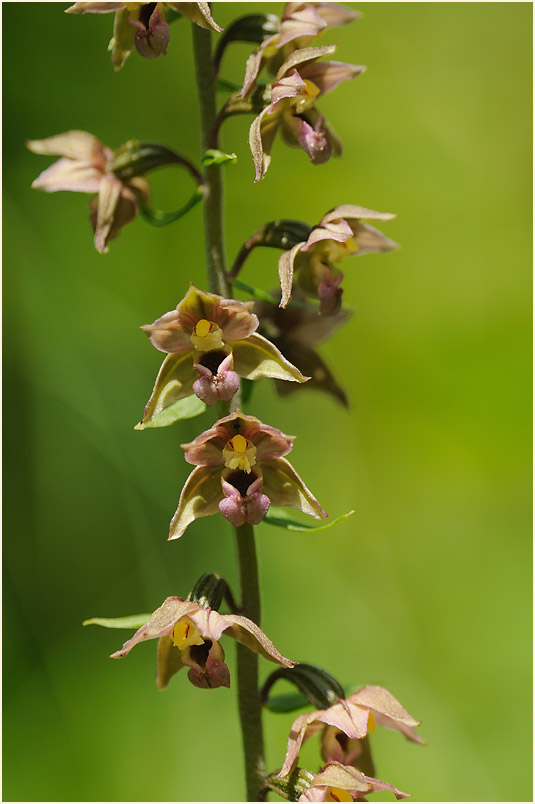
[(215, 157), (286, 703), (157, 218), (133, 621), (224, 85), (186, 408), (281, 521)]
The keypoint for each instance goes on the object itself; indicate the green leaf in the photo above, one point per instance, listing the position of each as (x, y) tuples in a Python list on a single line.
[(288, 702), (157, 218), (133, 621), (261, 295), (224, 85), (186, 408), (214, 157), (281, 521)]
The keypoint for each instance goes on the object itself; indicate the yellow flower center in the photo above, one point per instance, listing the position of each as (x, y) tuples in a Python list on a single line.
[(206, 336), (337, 252), (239, 453), (337, 794), (186, 633), (371, 723), (307, 97)]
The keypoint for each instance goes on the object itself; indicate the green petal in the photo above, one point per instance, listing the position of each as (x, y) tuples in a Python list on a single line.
[(282, 521), (200, 497), (174, 382), (256, 357), (186, 408), (284, 487), (133, 621)]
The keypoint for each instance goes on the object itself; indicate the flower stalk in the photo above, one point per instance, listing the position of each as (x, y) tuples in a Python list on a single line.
[(247, 669)]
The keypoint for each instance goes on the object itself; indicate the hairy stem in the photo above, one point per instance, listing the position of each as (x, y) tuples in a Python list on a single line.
[(213, 186), (248, 698)]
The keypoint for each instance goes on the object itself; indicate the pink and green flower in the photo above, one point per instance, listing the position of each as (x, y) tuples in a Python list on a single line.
[(240, 470), (189, 636)]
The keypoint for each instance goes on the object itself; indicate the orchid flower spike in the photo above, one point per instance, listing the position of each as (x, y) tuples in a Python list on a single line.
[(188, 636), (211, 342), (240, 471), (300, 25), (342, 232), (336, 782), (346, 723), (86, 167), (300, 80), (144, 26)]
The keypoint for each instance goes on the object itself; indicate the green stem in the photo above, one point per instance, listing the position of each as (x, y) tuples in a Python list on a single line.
[(213, 186), (248, 697), (247, 670)]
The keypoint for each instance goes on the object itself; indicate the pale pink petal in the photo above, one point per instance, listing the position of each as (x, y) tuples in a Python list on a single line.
[(327, 75), (340, 231), (69, 174), (235, 319), (161, 623), (75, 144), (94, 8), (108, 199), (303, 56), (353, 212), (249, 634), (167, 333)]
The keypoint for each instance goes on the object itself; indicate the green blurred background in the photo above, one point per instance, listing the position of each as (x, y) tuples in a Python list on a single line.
[(426, 589)]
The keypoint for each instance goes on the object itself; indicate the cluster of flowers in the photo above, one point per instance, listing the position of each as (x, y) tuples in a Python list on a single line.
[(211, 343)]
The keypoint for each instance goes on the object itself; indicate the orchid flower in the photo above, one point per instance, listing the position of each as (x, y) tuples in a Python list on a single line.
[(342, 232), (300, 24), (144, 26), (296, 332), (336, 782), (211, 342), (240, 470), (299, 82), (188, 636), (352, 718), (86, 167)]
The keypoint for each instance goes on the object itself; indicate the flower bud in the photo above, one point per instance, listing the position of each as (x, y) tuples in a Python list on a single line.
[(316, 684), (209, 590), (135, 158)]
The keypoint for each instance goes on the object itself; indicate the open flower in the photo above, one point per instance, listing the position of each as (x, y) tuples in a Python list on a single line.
[(352, 718), (189, 636), (296, 332), (336, 782), (143, 26), (86, 167), (300, 24), (300, 80), (342, 232), (240, 470), (211, 342)]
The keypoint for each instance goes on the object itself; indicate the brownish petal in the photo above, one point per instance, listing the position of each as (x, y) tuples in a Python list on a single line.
[(200, 497), (168, 661), (160, 624), (169, 334)]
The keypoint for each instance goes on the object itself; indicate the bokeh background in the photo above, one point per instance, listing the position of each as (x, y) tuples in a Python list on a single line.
[(426, 589)]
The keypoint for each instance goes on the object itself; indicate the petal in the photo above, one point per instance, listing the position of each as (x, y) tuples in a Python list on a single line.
[(108, 199), (284, 487), (369, 239), (151, 41), (257, 357), (253, 66), (303, 56), (126, 210), (261, 136), (168, 334), (235, 319), (344, 777), (340, 231), (295, 741), (200, 497), (93, 8), (79, 145), (69, 174), (199, 13), (249, 634), (303, 22), (174, 381), (161, 623), (168, 661), (352, 212), (213, 672), (290, 86), (286, 272), (205, 450), (321, 377), (310, 134), (197, 304), (327, 75), (383, 703), (122, 42), (335, 14)]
